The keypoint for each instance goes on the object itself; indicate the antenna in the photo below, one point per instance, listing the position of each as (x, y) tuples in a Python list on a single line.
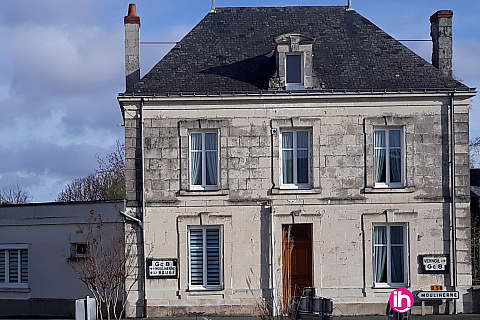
[(349, 5), (213, 6)]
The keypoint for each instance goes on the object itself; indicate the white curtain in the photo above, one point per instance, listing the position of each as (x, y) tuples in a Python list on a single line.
[(211, 158), (380, 153), (395, 156), (380, 242), (287, 157), (196, 158)]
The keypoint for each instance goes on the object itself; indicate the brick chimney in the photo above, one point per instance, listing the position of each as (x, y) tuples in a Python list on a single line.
[(132, 47), (441, 33)]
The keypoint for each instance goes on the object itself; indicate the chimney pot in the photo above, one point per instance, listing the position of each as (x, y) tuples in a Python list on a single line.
[(132, 9)]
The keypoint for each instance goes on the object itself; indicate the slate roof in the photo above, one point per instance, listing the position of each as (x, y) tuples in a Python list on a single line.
[(227, 52)]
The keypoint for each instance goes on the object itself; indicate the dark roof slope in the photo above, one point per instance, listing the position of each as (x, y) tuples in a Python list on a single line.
[(229, 51)]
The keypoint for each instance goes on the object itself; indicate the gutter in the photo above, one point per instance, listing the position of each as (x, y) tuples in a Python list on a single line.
[(293, 92)]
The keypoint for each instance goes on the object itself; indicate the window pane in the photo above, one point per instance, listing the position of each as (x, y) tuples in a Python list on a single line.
[(294, 68), (13, 266), (380, 235), (196, 163), (395, 165), (210, 141), (287, 140), (211, 168), (196, 140), (396, 235), (2, 266), (380, 139), (380, 157), (380, 264), (213, 256), (380, 166), (196, 256), (380, 254), (302, 139), (302, 166), (397, 264), (394, 139), (24, 265), (287, 166)]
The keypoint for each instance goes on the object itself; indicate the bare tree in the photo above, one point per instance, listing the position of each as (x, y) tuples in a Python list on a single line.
[(110, 260), (106, 183), (14, 195)]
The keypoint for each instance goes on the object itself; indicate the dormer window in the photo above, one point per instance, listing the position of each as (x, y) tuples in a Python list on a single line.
[(294, 62), (294, 71)]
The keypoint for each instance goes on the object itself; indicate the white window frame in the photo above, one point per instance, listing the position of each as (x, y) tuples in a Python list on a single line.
[(406, 248), (295, 184), (19, 283), (295, 85), (203, 186), (387, 183), (205, 286)]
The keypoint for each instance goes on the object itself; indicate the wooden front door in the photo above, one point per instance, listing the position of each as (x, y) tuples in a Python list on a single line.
[(297, 260)]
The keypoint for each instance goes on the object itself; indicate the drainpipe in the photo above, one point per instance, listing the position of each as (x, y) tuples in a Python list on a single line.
[(272, 261), (145, 314), (453, 193)]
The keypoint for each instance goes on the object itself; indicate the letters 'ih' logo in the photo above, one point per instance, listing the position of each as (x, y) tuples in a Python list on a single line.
[(401, 300)]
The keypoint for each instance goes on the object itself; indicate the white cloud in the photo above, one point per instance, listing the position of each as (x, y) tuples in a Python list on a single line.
[(60, 61)]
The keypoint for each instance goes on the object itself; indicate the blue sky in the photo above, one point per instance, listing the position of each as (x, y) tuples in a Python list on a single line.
[(62, 66)]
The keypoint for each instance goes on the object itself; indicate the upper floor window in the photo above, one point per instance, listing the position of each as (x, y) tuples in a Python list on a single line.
[(294, 71), (205, 254), (389, 160), (204, 163), (294, 62), (13, 266), (390, 252), (295, 159)]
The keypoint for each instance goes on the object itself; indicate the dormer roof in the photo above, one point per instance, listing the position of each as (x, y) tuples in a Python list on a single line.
[(231, 50)]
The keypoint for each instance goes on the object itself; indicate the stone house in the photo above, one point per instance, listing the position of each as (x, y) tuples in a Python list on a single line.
[(280, 148)]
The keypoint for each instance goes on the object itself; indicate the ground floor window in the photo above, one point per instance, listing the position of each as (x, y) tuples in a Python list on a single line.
[(205, 257), (13, 266), (390, 252)]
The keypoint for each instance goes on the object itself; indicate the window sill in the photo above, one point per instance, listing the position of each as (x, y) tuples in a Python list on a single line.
[(388, 288), (15, 289), (389, 190), (204, 192), (203, 290), (295, 191)]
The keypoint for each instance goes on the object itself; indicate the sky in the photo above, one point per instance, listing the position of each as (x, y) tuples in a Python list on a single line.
[(62, 67)]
